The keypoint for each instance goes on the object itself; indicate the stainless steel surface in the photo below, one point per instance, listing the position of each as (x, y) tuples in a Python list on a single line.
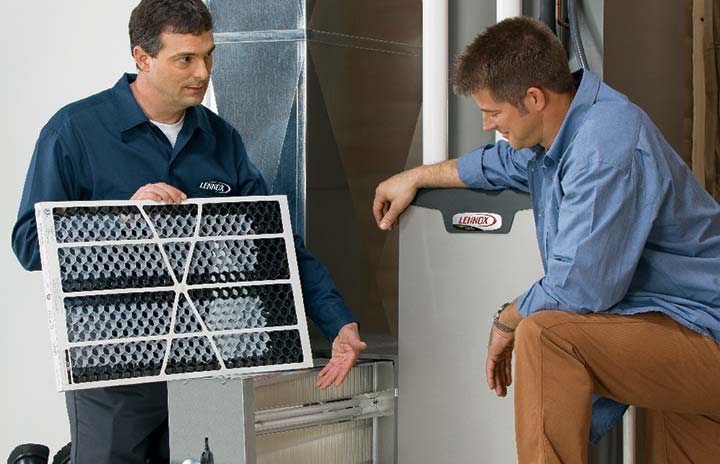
[(326, 95)]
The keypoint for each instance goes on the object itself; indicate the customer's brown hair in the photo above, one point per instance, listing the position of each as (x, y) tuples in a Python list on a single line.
[(510, 57)]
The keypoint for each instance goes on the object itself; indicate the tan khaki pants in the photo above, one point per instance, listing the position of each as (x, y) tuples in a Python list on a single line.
[(646, 360)]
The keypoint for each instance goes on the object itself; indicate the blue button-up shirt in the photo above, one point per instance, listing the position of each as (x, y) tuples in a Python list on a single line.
[(105, 148), (622, 225)]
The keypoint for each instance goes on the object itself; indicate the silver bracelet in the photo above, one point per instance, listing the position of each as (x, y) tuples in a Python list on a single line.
[(496, 320)]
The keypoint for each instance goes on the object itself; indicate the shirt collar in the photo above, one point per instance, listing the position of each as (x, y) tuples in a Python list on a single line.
[(131, 115), (588, 85)]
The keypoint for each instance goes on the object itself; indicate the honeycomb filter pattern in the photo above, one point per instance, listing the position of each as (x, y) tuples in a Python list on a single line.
[(173, 220), (260, 348), (92, 363), (112, 266), (177, 253), (141, 292), (185, 320), (101, 223), (105, 317), (191, 354), (222, 261), (250, 307), (244, 218)]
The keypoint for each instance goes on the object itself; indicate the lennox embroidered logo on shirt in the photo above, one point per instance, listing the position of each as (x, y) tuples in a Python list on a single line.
[(215, 186)]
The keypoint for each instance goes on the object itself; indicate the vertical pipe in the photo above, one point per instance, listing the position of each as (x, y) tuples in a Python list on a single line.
[(629, 424), (435, 81), (506, 9)]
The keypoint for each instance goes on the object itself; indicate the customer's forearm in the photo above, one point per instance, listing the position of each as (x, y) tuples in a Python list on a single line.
[(439, 175)]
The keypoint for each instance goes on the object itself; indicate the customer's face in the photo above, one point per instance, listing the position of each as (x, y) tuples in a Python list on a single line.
[(521, 129), (180, 73)]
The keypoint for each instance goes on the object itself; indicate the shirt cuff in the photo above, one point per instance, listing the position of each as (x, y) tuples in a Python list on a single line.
[(535, 299), (331, 319), (470, 169)]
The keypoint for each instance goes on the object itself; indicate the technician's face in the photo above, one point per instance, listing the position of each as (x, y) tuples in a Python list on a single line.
[(521, 129), (180, 72)]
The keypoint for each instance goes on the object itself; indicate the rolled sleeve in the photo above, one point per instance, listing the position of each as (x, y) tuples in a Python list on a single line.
[(535, 299), (495, 167)]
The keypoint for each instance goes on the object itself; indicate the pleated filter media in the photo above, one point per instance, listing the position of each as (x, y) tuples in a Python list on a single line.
[(142, 292)]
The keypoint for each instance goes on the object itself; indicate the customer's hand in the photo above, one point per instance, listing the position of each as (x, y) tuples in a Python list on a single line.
[(392, 197), (159, 191), (345, 349), (498, 367)]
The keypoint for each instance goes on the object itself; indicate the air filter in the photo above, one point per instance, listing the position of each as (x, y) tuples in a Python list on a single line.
[(141, 292)]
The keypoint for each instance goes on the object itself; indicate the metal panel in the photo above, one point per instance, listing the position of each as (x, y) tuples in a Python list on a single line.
[(259, 89), (283, 417), (221, 410), (363, 114), (256, 15), (449, 290), (388, 21), (361, 63)]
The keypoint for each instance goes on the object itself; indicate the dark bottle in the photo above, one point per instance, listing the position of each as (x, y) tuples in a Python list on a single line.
[(207, 456)]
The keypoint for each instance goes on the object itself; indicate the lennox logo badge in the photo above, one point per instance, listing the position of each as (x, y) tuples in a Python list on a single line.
[(215, 186), (477, 221)]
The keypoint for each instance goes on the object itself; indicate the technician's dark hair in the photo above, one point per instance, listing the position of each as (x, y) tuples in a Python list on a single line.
[(152, 17), (510, 57)]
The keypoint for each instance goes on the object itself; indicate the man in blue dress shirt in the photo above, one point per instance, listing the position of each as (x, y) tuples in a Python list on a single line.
[(148, 138), (628, 310)]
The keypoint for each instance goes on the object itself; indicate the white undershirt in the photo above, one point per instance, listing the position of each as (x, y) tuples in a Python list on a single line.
[(171, 131)]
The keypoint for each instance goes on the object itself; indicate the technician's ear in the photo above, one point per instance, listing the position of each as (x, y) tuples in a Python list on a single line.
[(142, 58), (534, 99)]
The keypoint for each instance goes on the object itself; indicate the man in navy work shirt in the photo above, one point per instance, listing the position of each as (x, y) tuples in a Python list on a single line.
[(148, 138), (628, 309)]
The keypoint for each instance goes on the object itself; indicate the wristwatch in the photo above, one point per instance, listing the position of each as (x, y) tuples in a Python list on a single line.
[(496, 320)]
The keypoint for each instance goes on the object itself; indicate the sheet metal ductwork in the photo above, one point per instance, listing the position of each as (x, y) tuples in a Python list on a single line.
[(327, 97)]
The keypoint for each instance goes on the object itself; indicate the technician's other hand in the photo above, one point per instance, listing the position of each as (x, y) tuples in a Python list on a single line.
[(392, 197), (159, 191), (498, 367), (345, 349)]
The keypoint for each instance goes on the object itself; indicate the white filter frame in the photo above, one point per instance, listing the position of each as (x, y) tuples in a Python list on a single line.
[(55, 295)]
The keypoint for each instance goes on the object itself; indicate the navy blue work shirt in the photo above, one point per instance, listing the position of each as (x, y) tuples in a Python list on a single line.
[(104, 148), (622, 225)]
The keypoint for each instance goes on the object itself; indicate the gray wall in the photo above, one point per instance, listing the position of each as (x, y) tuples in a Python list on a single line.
[(56, 52)]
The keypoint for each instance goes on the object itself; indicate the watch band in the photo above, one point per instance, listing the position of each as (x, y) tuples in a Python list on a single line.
[(496, 320)]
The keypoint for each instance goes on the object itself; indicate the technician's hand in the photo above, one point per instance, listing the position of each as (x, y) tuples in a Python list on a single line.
[(345, 349), (392, 197), (159, 192), (498, 367)]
